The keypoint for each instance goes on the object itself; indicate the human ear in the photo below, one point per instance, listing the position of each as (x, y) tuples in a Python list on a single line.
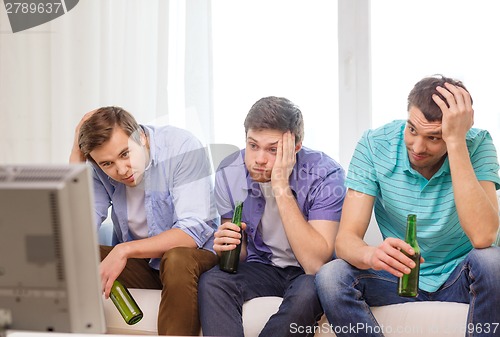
[(298, 146)]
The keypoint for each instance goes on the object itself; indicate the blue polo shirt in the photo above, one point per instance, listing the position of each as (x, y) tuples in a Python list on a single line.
[(317, 182), (380, 167)]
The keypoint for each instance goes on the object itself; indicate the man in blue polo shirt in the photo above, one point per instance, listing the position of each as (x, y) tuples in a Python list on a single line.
[(438, 167), (292, 200)]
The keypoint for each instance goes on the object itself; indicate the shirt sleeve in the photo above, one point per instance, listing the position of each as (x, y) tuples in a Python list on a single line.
[(484, 158), (328, 197), (192, 192), (230, 184), (222, 196), (362, 175), (102, 201)]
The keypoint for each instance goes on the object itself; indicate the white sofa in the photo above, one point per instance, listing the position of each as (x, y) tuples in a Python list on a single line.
[(430, 319)]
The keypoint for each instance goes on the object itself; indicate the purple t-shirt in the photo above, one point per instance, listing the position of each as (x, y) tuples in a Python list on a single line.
[(317, 182)]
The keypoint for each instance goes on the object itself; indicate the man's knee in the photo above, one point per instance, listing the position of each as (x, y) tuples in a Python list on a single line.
[(332, 276), (186, 259), (302, 287), (214, 280), (177, 255), (179, 265), (486, 257)]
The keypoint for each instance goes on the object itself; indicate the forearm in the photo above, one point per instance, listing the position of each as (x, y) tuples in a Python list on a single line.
[(354, 250), (310, 248), (477, 214), (156, 246), (76, 156)]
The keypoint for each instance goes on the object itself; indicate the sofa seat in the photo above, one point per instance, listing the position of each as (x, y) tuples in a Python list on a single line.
[(430, 319)]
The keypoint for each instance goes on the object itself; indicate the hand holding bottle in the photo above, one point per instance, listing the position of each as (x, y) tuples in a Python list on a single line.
[(228, 236), (408, 283), (230, 257), (390, 256)]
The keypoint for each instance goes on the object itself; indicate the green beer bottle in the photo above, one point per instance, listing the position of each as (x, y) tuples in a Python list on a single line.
[(125, 303), (408, 283), (230, 259)]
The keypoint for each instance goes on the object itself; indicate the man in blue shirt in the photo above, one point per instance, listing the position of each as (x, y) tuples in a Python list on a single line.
[(292, 200), (434, 165), (157, 181)]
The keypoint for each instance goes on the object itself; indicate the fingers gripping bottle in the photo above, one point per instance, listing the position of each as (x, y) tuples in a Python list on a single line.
[(125, 303), (408, 283), (230, 259)]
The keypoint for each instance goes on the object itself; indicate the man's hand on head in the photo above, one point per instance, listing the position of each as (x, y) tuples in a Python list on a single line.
[(284, 163), (76, 155), (458, 114)]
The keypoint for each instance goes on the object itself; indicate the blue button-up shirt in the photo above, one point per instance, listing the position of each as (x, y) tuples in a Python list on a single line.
[(178, 190), (317, 182)]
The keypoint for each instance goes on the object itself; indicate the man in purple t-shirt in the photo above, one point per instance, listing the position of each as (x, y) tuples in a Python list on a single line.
[(292, 201)]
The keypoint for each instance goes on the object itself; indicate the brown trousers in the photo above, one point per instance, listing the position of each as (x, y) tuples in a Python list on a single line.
[(180, 269)]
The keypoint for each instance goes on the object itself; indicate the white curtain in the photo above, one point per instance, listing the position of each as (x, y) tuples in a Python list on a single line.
[(141, 55)]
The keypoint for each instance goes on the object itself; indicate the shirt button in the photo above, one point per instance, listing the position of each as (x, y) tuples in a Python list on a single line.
[(260, 205)]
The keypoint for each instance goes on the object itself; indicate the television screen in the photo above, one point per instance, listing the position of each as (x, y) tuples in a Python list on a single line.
[(49, 255)]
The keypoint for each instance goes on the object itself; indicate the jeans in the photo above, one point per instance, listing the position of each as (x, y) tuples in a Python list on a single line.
[(347, 293), (221, 296), (180, 269)]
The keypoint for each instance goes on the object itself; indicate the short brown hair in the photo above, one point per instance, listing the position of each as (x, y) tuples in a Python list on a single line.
[(275, 113), (98, 129), (421, 96)]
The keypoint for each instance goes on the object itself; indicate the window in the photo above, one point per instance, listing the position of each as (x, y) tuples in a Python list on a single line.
[(456, 38), (276, 48)]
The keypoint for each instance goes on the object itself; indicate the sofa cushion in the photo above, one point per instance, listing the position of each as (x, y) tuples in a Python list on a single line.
[(430, 319)]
